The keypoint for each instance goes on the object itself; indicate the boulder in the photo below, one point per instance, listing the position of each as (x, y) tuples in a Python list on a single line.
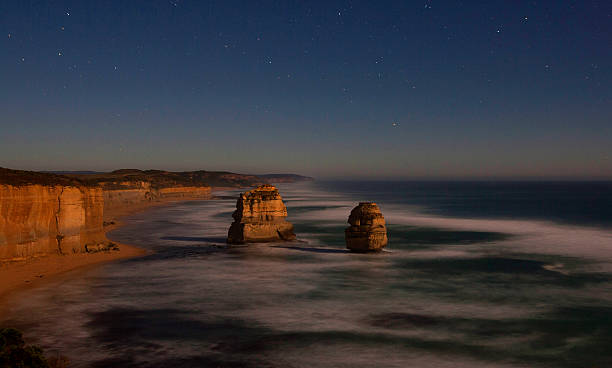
[(367, 232), (260, 217)]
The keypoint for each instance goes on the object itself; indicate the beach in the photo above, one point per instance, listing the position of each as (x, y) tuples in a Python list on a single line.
[(21, 275), (18, 276)]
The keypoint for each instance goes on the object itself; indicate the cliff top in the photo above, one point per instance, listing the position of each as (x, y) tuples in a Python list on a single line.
[(166, 179), (157, 178), (21, 177)]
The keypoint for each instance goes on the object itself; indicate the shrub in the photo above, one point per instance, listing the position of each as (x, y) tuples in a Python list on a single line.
[(14, 353)]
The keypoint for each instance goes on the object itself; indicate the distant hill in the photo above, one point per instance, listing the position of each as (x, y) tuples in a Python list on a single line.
[(166, 179), (157, 178), (73, 172), (21, 177), (285, 178)]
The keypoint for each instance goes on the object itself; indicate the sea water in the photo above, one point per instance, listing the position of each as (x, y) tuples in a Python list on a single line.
[(475, 275)]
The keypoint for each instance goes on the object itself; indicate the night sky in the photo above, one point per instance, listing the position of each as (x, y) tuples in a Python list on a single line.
[(332, 89)]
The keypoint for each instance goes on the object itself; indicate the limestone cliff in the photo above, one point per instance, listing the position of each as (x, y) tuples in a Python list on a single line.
[(46, 213), (122, 196), (368, 231), (37, 219), (43, 213), (260, 217)]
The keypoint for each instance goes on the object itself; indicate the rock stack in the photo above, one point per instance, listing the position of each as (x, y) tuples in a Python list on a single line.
[(260, 217), (367, 232)]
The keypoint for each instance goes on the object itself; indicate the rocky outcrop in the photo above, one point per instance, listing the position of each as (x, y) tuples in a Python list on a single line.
[(260, 217), (40, 219), (367, 232)]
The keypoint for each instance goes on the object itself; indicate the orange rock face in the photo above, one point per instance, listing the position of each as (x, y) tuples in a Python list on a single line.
[(260, 217), (368, 231), (38, 219)]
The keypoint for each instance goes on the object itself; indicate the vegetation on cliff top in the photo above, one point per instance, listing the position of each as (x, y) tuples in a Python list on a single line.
[(20, 177), (166, 179), (157, 178)]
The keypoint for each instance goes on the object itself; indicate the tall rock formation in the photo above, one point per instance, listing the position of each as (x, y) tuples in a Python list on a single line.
[(367, 232), (260, 217)]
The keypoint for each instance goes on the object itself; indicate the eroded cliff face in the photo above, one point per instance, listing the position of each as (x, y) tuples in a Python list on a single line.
[(50, 219), (37, 220), (122, 196), (260, 217)]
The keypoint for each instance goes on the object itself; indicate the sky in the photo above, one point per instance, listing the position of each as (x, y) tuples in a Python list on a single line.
[(332, 89)]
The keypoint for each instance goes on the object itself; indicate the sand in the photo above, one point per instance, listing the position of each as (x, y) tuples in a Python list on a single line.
[(22, 275)]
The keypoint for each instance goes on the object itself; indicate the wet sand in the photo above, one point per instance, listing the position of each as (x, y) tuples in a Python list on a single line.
[(21, 275)]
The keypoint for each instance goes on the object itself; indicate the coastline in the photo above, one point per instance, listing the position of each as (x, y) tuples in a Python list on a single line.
[(18, 276)]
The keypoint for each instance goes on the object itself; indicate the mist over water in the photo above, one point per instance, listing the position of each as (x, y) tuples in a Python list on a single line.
[(475, 275)]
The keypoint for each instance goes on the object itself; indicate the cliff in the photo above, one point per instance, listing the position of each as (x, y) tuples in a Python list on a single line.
[(43, 213), (38, 219), (46, 213), (260, 217), (367, 231), (129, 196)]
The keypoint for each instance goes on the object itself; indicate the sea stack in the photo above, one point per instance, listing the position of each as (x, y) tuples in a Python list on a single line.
[(260, 217), (367, 232)]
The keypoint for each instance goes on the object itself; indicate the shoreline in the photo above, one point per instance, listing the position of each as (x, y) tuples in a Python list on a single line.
[(18, 276)]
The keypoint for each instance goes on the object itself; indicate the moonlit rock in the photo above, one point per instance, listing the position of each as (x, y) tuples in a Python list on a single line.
[(368, 232), (260, 217)]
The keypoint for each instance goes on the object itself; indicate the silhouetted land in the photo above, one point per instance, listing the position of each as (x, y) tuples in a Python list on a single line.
[(157, 178)]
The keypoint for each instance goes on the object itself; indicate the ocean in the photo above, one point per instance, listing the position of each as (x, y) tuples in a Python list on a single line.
[(476, 274)]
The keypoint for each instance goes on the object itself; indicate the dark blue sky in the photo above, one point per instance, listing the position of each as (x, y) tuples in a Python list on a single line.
[(376, 89)]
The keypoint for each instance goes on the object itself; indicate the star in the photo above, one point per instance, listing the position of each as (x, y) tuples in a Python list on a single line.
[(395, 124), (59, 53), (9, 35)]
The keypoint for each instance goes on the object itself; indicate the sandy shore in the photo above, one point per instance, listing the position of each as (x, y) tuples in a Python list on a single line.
[(22, 275)]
